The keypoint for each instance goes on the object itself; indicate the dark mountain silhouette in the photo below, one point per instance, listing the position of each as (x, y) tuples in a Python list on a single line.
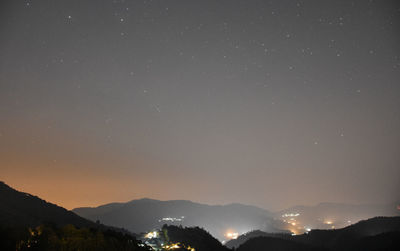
[(339, 214), (28, 222), (384, 241), (379, 233), (146, 214), (276, 244), (23, 209), (68, 237), (340, 239), (193, 237)]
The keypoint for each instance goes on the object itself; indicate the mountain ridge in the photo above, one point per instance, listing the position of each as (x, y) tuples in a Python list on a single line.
[(146, 214)]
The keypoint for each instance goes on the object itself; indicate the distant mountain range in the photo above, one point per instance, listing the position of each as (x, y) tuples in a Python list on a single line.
[(334, 215), (379, 233), (147, 214)]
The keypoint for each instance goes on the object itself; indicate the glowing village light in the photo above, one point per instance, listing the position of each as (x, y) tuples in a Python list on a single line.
[(151, 235), (172, 246), (232, 235)]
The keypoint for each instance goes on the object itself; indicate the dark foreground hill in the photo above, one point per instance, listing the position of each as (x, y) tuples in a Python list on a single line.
[(193, 237), (28, 222), (234, 243), (68, 237), (380, 233), (23, 209), (276, 244), (146, 214), (343, 239)]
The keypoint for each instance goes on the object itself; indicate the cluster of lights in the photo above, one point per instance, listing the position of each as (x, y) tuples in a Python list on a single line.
[(172, 219), (290, 215), (292, 220), (296, 226), (173, 246), (170, 246)]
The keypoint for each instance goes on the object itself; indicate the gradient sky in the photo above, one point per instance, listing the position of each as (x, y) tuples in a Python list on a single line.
[(270, 103)]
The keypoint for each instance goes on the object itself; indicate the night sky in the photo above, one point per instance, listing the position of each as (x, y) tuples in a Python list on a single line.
[(270, 103)]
